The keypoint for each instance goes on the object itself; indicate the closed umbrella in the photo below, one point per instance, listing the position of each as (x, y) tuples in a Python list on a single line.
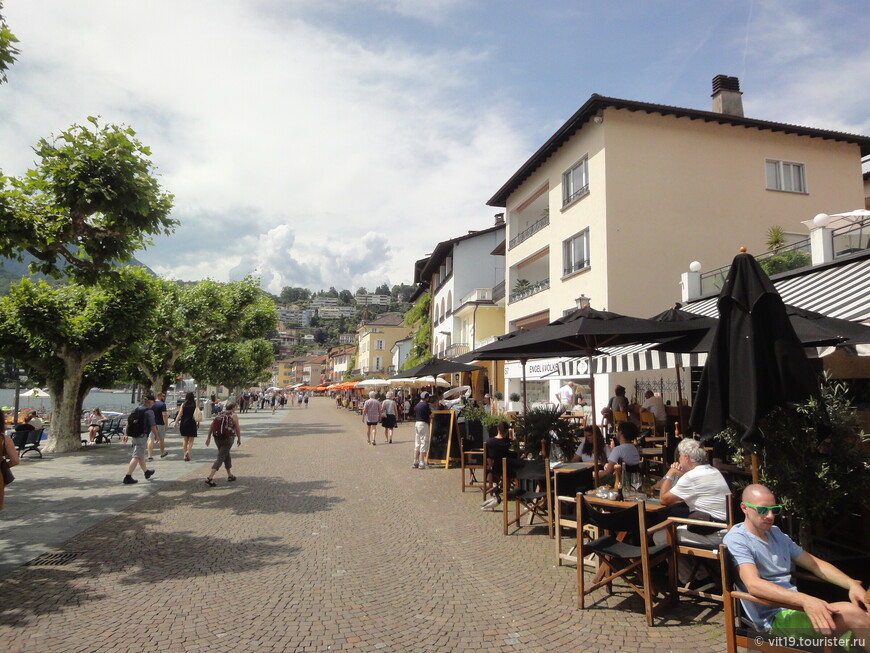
[(756, 361)]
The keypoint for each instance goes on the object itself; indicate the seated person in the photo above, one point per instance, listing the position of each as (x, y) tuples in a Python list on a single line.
[(94, 420), (703, 489), (585, 452), (625, 453), (497, 449), (764, 556), (655, 405), (27, 424)]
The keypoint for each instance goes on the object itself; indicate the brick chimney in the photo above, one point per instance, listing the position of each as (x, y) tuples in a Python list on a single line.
[(727, 97), (499, 218)]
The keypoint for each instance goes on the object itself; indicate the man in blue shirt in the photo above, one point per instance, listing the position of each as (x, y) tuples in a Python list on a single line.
[(764, 557), (422, 417)]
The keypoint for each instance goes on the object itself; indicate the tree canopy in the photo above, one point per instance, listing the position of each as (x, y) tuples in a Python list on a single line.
[(90, 202), (8, 51)]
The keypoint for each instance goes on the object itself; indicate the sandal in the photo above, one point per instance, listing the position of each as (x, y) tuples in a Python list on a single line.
[(230, 479), (210, 482)]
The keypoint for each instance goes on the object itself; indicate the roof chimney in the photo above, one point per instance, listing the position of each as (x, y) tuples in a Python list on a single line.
[(499, 218), (727, 96)]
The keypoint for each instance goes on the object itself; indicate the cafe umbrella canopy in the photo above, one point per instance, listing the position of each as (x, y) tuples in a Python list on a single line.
[(756, 361), (434, 367), (584, 330)]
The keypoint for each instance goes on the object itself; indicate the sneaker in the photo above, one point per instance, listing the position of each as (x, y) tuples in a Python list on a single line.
[(415, 465), (149, 474), (129, 480), (164, 454), (422, 466), (150, 459)]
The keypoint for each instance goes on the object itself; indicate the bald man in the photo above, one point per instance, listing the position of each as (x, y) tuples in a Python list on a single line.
[(764, 555)]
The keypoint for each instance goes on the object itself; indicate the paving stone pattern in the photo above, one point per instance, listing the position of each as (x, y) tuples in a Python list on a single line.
[(324, 543)]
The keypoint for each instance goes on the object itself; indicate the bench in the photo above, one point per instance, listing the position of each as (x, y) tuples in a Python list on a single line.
[(28, 441)]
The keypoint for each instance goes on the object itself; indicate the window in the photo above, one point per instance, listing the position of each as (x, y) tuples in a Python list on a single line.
[(785, 175), (379, 345), (575, 182), (575, 253), (377, 362)]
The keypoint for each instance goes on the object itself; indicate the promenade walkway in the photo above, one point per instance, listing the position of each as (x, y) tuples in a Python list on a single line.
[(324, 543)]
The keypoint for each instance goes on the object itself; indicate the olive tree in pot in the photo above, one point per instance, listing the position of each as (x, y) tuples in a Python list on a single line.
[(544, 424), (816, 461)]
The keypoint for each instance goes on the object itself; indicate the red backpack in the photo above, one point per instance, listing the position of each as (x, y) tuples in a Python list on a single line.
[(223, 427)]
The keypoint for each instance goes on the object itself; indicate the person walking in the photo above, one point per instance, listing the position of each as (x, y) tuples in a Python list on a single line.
[(389, 411), (161, 419), (305, 399), (371, 416), (422, 417), (224, 428), (273, 399), (9, 453), (140, 425), (187, 421)]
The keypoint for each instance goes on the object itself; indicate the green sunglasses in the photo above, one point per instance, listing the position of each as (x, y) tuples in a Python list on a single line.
[(763, 510)]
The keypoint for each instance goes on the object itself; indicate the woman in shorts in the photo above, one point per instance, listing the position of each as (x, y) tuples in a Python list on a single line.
[(389, 410)]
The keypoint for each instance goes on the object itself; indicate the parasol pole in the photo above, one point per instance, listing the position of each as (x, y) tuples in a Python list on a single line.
[(679, 395), (525, 406), (592, 401)]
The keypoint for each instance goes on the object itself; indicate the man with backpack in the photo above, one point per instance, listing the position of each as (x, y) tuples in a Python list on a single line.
[(140, 424), (224, 428)]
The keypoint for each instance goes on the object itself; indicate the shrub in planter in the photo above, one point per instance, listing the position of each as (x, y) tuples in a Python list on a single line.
[(545, 423)]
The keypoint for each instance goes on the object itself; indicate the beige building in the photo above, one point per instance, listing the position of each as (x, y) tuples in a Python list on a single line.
[(376, 339), (625, 194)]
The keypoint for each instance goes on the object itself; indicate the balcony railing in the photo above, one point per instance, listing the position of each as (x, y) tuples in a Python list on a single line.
[(457, 349), (790, 257), (526, 233), (851, 238), (477, 295), (528, 291), (578, 265)]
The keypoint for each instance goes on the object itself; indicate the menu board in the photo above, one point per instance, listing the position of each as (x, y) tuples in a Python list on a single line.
[(443, 438)]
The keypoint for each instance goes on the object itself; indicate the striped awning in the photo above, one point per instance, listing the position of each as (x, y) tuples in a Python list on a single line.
[(838, 289)]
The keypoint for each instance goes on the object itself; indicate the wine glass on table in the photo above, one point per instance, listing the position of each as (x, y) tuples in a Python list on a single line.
[(636, 481)]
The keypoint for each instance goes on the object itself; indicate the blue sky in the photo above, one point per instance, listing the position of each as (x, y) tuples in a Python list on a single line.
[(334, 142)]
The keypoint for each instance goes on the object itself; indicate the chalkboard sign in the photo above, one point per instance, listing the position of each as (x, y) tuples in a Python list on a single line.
[(443, 438)]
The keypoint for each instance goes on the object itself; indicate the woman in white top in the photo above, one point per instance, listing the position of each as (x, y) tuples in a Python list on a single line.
[(389, 410)]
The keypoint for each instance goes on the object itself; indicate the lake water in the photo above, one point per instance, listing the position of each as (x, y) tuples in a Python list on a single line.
[(105, 401)]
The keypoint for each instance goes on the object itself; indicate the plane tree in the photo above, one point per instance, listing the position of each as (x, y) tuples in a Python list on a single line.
[(57, 332), (89, 203), (236, 365), (205, 311)]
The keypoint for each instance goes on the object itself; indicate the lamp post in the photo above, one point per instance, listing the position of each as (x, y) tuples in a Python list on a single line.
[(583, 301)]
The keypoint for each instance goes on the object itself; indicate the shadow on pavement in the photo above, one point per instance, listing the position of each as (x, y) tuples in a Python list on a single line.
[(128, 547)]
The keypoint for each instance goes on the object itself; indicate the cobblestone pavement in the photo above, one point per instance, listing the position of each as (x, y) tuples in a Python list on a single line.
[(324, 543)]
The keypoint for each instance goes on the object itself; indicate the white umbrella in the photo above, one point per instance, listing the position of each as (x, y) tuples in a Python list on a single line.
[(456, 391), (372, 383), (35, 392), (431, 380)]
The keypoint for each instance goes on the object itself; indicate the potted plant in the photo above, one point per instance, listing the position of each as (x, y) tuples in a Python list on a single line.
[(514, 398), (816, 461), (545, 424), (497, 396)]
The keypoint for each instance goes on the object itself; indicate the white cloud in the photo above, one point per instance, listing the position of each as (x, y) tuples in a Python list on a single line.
[(286, 136)]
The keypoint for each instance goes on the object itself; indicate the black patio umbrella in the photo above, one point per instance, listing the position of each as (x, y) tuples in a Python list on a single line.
[(583, 331), (435, 366), (813, 330), (756, 361)]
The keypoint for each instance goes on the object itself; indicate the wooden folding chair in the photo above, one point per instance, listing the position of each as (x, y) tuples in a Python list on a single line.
[(524, 484), (618, 558), (472, 457), (739, 631)]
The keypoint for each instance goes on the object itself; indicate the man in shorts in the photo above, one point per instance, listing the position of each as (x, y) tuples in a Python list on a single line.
[(764, 556), (161, 419), (422, 417), (140, 440)]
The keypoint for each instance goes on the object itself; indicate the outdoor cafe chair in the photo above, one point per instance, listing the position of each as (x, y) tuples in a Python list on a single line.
[(566, 485), (524, 484), (739, 630), (471, 461), (623, 552)]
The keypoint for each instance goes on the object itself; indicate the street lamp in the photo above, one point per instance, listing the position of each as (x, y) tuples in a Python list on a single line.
[(583, 301)]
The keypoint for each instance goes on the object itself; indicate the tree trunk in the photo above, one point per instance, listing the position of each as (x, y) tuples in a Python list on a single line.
[(805, 535), (65, 431)]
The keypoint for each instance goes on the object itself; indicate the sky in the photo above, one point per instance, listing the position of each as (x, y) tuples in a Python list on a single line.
[(322, 143)]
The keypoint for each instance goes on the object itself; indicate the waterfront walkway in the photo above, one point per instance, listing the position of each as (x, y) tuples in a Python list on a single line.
[(324, 543)]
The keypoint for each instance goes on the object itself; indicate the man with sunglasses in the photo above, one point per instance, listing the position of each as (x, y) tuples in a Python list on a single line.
[(764, 557)]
